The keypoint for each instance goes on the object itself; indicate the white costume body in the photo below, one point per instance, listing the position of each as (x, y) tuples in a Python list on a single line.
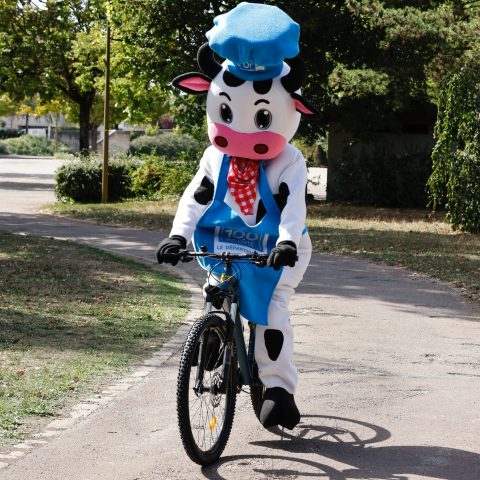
[(289, 168)]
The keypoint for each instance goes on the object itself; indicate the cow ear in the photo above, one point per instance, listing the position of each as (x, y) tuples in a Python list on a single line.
[(305, 107), (193, 82)]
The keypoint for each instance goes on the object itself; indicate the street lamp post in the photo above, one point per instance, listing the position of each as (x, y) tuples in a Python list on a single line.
[(106, 118)]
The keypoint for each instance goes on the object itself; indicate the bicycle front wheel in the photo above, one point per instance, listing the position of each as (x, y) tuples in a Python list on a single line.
[(257, 389), (204, 410)]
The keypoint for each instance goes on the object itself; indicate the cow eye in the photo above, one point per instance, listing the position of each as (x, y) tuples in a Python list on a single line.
[(263, 119), (226, 113)]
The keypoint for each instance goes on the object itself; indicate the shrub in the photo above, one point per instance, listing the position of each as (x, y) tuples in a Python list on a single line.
[(147, 177), (3, 149), (381, 178), (81, 180), (455, 180), (175, 181), (8, 133), (463, 191), (157, 177), (32, 145), (165, 144), (314, 153)]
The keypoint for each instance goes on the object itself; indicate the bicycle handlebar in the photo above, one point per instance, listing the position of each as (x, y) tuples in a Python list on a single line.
[(259, 259)]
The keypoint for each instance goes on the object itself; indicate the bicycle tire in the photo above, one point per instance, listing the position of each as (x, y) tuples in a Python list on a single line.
[(200, 445)]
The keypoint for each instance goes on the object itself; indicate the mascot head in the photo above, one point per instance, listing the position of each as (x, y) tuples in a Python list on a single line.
[(254, 103)]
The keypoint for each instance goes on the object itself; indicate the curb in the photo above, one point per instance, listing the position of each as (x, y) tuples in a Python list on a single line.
[(82, 410)]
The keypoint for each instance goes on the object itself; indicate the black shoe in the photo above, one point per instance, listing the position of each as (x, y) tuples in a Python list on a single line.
[(279, 408)]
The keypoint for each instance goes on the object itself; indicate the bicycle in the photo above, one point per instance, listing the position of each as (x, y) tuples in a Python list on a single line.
[(215, 363)]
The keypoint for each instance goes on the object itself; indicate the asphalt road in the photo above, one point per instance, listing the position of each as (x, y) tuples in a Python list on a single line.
[(389, 386), (26, 183)]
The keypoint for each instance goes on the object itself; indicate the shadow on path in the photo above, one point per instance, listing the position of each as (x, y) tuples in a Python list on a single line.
[(30, 186), (27, 176), (353, 278), (350, 442)]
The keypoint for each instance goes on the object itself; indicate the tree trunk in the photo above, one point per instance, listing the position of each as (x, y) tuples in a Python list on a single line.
[(93, 136), (85, 108), (57, 115)]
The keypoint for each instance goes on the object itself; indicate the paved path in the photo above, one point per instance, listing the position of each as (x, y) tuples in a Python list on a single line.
[(26, 183), (389, 387)]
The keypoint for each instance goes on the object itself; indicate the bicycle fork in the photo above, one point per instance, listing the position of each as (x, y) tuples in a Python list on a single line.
[(234, 347)]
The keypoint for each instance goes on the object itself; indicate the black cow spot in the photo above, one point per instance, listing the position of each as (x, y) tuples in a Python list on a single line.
[(204, 193), (231, 80), (262, 86), (281, 199), (273, 342), (282, 196), (260, 210)]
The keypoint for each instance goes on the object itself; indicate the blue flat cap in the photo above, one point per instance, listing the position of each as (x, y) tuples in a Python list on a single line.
[(255, 39)]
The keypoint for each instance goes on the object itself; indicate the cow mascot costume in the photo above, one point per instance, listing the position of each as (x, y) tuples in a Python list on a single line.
[(249, 192)]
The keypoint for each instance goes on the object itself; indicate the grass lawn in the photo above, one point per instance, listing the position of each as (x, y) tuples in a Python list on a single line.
[(414, 239), (71, 318), (411, 238), (136, 214)]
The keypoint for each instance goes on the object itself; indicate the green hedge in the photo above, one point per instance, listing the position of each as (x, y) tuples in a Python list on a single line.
[(32, 145), (8, 133), (463, 191), (81, 180), (381, 178), (147, 177), (156, 177), (455, 180), (169, 145)]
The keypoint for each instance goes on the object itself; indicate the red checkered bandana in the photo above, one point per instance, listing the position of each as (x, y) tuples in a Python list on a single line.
[(242, 183)]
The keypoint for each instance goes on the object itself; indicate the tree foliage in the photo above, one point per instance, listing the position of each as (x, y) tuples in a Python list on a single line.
[(455, 180), (7, 106), (54, 49), (365, 58)]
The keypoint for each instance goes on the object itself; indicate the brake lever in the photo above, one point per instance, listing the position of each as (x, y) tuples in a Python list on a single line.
[(184, 257)]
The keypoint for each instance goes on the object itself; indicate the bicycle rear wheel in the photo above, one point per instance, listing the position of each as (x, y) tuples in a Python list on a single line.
[(205, 415)]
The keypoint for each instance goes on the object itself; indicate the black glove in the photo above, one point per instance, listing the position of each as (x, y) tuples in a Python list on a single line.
[(283, 255), (168, 249)]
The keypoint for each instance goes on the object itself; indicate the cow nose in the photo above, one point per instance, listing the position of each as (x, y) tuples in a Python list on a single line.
[(221, 141), (260, 148)]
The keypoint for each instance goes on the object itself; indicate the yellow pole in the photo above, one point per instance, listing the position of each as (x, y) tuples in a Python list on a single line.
[(106, 119)]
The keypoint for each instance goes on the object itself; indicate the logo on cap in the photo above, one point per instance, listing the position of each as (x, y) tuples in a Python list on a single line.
[(249, 67)]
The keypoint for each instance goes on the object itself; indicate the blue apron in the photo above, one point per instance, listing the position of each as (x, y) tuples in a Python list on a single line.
[(220, 229)]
